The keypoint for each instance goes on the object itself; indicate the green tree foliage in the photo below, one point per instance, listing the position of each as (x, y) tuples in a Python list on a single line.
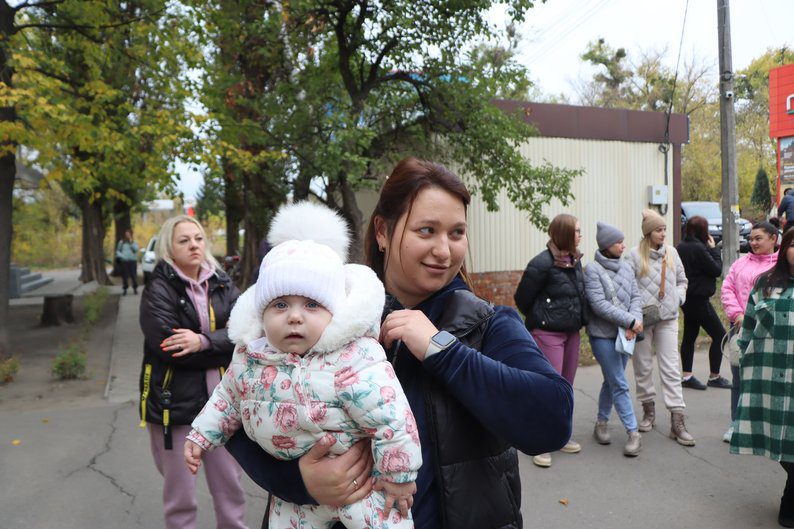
[(647, 84), (754, 148), (105, 110), (761, 199), (644, 83), (344, 88)]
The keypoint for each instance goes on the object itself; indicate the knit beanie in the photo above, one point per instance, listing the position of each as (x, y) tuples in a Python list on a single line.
[(607, 235), (310, 244), (650, 221)]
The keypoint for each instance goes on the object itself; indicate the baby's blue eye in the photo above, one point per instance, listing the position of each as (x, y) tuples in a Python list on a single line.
[(313, 305), (280, 304)]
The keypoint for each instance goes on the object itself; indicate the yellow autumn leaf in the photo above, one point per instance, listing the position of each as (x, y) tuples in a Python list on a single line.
[(16, 442), (564, 501)]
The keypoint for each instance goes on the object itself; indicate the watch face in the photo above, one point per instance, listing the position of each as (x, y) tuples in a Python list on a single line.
[(443, 339)]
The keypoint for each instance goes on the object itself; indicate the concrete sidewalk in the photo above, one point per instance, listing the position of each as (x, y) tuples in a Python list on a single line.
[(92, 467), (127, 353)]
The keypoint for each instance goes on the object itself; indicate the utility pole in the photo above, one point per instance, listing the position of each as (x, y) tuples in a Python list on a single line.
[(730, 188)]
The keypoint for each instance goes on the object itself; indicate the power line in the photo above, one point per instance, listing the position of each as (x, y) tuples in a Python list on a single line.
[(576, 23)]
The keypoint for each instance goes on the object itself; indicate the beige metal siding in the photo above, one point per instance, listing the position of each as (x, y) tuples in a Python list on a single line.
[(613, 188)]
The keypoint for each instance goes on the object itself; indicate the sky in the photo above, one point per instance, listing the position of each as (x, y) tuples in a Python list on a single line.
[(557, 32)]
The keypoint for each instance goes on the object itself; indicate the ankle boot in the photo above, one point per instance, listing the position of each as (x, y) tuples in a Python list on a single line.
[(648, 416), (601, 433), (678, 429), (633, 445)]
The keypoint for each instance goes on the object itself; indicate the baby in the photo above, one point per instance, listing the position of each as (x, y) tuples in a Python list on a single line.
[(308, 365)]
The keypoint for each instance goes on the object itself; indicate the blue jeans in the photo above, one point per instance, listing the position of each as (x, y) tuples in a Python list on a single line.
[(615, 389)]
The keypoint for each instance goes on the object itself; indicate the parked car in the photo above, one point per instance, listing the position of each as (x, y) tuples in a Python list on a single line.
[(713, 213), (148, 260)]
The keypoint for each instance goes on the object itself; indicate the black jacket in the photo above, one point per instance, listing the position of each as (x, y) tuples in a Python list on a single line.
[(702, 265), (476, 470), (552, 298), (165, 305)]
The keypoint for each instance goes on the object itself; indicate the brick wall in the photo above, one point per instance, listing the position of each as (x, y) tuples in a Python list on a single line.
[(497, 287)]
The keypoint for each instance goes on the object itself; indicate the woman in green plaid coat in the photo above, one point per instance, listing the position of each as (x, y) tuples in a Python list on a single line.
[(765, 416)]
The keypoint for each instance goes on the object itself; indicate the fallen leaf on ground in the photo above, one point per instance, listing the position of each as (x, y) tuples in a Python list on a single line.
[(16, 442), (564, 501)]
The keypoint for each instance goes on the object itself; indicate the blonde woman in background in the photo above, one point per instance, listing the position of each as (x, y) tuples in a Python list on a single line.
[(662, 284), (183, 316)]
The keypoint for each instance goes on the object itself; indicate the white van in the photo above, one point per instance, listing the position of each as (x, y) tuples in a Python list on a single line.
[(148, 260)]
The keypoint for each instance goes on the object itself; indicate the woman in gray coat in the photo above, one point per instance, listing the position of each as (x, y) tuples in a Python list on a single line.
[(616, 308)]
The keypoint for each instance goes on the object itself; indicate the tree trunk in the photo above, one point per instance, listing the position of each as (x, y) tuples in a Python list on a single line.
[(93, 261), (8, 173), (121, 223), (7, 176), (233, 202), (352, 214)]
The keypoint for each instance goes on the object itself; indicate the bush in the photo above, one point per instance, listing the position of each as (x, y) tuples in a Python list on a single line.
[(70, 364), (8, 369), (93, 304)]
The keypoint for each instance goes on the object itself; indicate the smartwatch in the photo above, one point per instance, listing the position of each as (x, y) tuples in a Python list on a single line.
[(439, 342)]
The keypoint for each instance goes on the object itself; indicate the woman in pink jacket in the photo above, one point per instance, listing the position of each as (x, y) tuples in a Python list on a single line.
[(736, 291)]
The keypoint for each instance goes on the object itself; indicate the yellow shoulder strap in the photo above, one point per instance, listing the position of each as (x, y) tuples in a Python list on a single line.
[(147, 380)]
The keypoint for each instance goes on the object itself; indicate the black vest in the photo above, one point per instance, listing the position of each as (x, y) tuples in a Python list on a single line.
[(477, 473)]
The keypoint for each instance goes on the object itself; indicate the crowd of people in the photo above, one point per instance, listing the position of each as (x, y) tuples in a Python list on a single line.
[(390, 395)]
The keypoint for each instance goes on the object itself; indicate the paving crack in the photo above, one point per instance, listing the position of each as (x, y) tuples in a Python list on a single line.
[(93, 466)]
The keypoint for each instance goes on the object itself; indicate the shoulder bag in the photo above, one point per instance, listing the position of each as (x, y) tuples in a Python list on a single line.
[(651, 314)]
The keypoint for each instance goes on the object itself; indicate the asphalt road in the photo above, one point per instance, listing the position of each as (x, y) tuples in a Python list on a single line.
[(91, 467)]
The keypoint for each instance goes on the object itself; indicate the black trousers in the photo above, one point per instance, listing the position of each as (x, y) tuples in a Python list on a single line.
[(698, 312), (788, 492), (129, 273)]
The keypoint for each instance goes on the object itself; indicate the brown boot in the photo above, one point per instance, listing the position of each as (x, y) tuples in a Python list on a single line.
[(648, 416), (678, 429)]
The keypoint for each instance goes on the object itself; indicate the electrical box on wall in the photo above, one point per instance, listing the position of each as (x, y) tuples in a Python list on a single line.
[(657, 195)]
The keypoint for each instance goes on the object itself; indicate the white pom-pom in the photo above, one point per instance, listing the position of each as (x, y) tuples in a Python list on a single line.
[(308, 221)]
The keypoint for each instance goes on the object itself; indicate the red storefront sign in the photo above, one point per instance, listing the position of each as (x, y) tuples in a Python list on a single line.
[(781, 121), (781, 101)]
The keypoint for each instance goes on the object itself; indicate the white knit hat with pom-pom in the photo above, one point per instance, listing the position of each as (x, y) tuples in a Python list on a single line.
[(310, 243)]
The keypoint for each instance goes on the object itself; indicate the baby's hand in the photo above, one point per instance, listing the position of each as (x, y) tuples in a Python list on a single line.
[(193, 453), (402, 493)]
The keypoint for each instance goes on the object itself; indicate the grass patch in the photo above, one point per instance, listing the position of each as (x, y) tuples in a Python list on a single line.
[(70, 364), (8, 369)]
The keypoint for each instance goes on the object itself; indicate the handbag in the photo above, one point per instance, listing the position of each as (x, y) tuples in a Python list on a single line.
[(730, 345), (651, 314)]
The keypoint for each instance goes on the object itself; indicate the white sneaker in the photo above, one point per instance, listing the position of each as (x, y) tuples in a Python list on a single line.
[(571, 447), (542, 460), (726, 437)]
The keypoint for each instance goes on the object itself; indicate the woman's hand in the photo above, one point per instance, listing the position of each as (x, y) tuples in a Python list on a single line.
[(637, 327), (711, 242), (410, 326), (182, 342), (342, 480), (630, 335)]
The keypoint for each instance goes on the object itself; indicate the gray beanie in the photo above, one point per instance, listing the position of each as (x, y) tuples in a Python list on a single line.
[(607, 235)]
